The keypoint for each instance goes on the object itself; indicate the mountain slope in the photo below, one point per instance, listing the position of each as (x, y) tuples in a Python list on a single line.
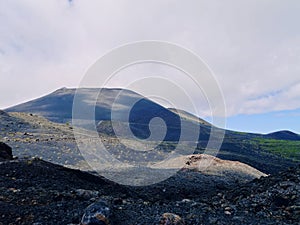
[(57, 107), (244, 147)]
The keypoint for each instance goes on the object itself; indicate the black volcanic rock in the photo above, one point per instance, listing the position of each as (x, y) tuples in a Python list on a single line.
[(5, 152), (2, 113), (37, 192), (273, 198), (34, 191), (96, 214)]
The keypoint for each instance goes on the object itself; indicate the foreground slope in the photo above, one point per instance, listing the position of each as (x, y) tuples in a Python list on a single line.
[(31, 189)]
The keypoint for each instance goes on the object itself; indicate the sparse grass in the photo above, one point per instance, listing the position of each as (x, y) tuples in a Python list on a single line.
[(284, 148), (240, 133)]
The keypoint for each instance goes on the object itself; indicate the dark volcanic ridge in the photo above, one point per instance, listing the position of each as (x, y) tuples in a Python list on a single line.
[(32, 135), (38, 192), (57, 107)]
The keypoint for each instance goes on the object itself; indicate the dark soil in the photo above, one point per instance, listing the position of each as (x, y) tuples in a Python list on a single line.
[(37, 192)]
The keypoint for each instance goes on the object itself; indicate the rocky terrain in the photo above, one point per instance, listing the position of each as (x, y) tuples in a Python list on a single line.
[(34, 136), (33, 191), (44, 178)]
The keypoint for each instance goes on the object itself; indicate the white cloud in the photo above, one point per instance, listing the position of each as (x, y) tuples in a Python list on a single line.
[(252, 45), (286, 99)]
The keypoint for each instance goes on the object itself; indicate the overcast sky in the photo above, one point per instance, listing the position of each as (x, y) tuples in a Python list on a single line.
[(252, 46)]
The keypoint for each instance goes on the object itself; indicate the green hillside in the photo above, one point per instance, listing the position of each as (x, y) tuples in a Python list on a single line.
[(285, 148)]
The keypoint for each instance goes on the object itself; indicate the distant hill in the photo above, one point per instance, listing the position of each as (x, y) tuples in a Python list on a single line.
[(269, 153), (284, 135)]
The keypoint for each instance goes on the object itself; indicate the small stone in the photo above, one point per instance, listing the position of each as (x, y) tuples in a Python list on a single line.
[(227, 212), (118, 201), (96, 214), (171, 219), (227, 209), (86, 194)]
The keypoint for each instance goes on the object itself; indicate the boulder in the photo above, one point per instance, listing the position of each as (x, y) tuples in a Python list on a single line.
[(2, 113), (171, 219), (96, 214), (5, 152)]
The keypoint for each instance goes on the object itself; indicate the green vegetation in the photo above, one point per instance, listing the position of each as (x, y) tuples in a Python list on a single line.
[(240, 133), (284, 148)]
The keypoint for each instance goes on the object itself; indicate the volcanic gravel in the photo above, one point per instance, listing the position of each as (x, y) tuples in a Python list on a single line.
[(33, 191)]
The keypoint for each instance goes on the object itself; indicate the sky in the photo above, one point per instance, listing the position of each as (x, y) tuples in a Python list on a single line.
[(252, 47)]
